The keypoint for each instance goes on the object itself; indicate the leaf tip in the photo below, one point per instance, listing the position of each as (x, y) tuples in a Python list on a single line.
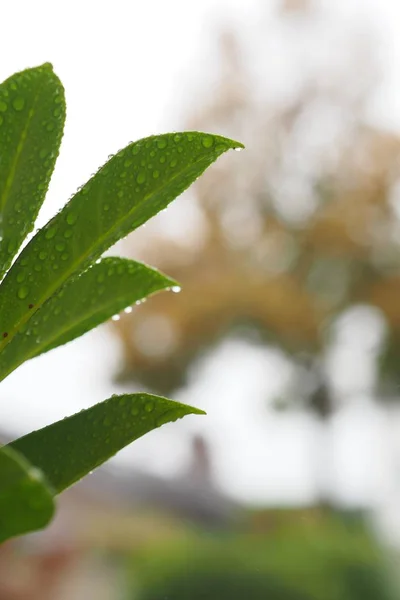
[(177, 410)]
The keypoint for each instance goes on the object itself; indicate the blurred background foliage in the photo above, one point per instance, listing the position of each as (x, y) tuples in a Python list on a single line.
[(296, 231), (285, 555)]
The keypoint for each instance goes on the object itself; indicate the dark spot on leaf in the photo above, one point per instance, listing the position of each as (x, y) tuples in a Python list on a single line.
[(31, 305), (5, 334)]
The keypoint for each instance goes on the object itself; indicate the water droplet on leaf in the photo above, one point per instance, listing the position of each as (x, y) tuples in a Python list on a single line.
[(23, 291), (18, 103), (71, 218), (162, 143), (207, 141)]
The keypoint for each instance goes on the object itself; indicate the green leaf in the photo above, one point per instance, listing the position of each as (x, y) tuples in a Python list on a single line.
[(100, 292), (134, 185), (32, 115), (69, 449), (26, 501)]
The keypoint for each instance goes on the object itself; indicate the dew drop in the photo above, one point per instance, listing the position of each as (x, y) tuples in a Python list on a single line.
[(42, 255), (120, 194), (149, 406), (11, 246), (238, 149), (23, 291), (176, 289), (68, 233), (207, 141), (141, 178), (106, 207), (18, 103), (115, 318), (64, 256), (71, 218), (60, 246), (3, 106), (50, 126), (156, 174), (50, 233), (135, 411), (21, 276), (173, 163), (161, 143), (128, 310)]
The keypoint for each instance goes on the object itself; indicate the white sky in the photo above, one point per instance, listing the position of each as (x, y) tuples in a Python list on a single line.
[(126, 66)]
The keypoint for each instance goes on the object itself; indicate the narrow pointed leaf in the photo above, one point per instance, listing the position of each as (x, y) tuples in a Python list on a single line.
[(26, 501), (32, 114), (100, 292), (69, 449), (133, 186)]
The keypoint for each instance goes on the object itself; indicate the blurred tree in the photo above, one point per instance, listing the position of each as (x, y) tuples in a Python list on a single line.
[(302, 227)]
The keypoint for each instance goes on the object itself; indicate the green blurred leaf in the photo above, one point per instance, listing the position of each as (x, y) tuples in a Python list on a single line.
[(32, 115), (69, 449), (82, 304), (26, 502), (133, 186)]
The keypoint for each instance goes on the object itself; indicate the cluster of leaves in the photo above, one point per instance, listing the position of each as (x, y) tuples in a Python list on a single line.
[(58, 287)]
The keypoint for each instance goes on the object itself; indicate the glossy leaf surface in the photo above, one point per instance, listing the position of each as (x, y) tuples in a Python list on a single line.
[(32, 115), (69, 449), (133, 186), (100, 292), (26, 501)]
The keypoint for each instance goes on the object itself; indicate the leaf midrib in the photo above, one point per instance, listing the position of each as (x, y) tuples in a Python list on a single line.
[(14, 165)]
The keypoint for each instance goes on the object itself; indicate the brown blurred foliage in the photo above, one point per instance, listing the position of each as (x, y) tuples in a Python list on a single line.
[(300, 226)]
